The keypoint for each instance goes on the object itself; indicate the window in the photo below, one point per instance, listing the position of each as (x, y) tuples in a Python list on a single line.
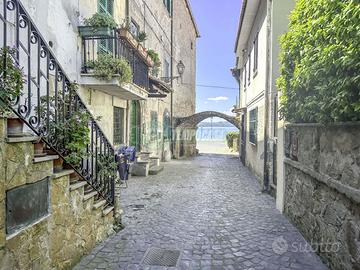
[(134, 28), (167, 126), (154, 125), (166, 74), (119, 114), (168, 4), (253, 125), (256, 54), (245, 76), (249, 68)]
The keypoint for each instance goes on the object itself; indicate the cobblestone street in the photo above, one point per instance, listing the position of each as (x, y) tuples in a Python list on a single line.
[(210, 209)]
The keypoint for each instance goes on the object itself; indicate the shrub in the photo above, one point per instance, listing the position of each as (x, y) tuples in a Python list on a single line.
[(106, 67), (320, 62), (101, 20), (230, 136)]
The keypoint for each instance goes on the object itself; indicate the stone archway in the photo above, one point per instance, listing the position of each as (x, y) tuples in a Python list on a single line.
[(185, 131), (193, 120)]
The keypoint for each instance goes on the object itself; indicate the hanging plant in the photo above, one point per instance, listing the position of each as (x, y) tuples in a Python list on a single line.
[(106, 67)]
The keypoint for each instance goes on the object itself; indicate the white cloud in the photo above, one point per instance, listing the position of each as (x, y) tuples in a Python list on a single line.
[(221, 98), (205, 102)]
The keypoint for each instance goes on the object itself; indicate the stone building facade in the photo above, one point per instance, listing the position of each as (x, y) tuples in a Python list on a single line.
[(171, 32), (72, 221), (257, 68)]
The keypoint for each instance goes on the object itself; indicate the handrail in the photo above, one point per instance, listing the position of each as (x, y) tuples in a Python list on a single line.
[(50, 88)]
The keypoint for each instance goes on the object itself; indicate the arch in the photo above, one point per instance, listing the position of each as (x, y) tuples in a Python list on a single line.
[(193, 120)]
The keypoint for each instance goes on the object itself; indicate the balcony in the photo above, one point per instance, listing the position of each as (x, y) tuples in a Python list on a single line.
[(120, 45)]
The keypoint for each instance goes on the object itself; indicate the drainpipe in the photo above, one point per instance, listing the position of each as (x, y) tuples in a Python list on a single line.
[(127, 11), (117, 202), (266, 182), (172, 79)]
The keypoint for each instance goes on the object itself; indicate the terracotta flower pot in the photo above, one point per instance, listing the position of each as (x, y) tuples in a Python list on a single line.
[(58, 164), (74, 177), (15, 126), (39, 149)]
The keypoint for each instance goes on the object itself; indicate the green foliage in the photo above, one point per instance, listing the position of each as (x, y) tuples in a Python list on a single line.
[(154, 56), (75, 133), (101, 20), (11, 78), (107, 166), (320, 62), (156, 59), (142, 36), (230, 136), (106, 67)]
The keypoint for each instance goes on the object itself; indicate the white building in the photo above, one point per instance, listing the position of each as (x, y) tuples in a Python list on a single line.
[(262, 22)]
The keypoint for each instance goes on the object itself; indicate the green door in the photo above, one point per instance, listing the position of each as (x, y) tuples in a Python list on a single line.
[(135, 125)]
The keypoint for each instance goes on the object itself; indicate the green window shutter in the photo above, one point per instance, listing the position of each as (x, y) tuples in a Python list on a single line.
[(106, 7), (253, 122), (154, 125)]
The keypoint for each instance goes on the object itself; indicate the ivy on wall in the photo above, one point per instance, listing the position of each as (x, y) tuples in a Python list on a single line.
[(320, 62)]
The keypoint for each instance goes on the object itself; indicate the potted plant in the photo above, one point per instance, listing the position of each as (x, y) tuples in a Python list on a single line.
[(100, 25), (11, 83), (124, 32), (39, 148), (154, 56), (141, 37), (106, 67)]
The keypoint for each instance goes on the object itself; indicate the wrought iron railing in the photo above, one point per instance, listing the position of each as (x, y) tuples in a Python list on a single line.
[(118, 47), (48, 87)]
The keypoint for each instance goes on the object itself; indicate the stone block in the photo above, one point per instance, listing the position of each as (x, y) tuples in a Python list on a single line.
[(154, 161), (140, 168)]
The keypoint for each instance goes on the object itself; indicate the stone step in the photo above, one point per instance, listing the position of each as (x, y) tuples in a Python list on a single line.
[(77, 185), (89, 195), (107, 210), (99, 204), (21, 139), (154, 170), (45, 158), (140, 168), (62, 173)]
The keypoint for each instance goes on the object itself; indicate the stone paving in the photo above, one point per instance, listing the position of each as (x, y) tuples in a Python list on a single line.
[(211, 209)]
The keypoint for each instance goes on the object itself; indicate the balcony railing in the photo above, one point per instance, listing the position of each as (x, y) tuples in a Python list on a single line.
[(120, 48), (47, 82)]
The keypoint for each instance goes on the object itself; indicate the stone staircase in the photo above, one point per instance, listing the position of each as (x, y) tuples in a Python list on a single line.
[(77, 217)]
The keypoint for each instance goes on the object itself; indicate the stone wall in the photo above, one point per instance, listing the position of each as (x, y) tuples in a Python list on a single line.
[(322, 189), (58, 240)]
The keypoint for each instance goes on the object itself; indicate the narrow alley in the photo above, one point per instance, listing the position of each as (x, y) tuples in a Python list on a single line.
[(211, 210)]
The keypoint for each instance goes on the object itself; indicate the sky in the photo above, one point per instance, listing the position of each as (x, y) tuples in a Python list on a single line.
[(217, 22)]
